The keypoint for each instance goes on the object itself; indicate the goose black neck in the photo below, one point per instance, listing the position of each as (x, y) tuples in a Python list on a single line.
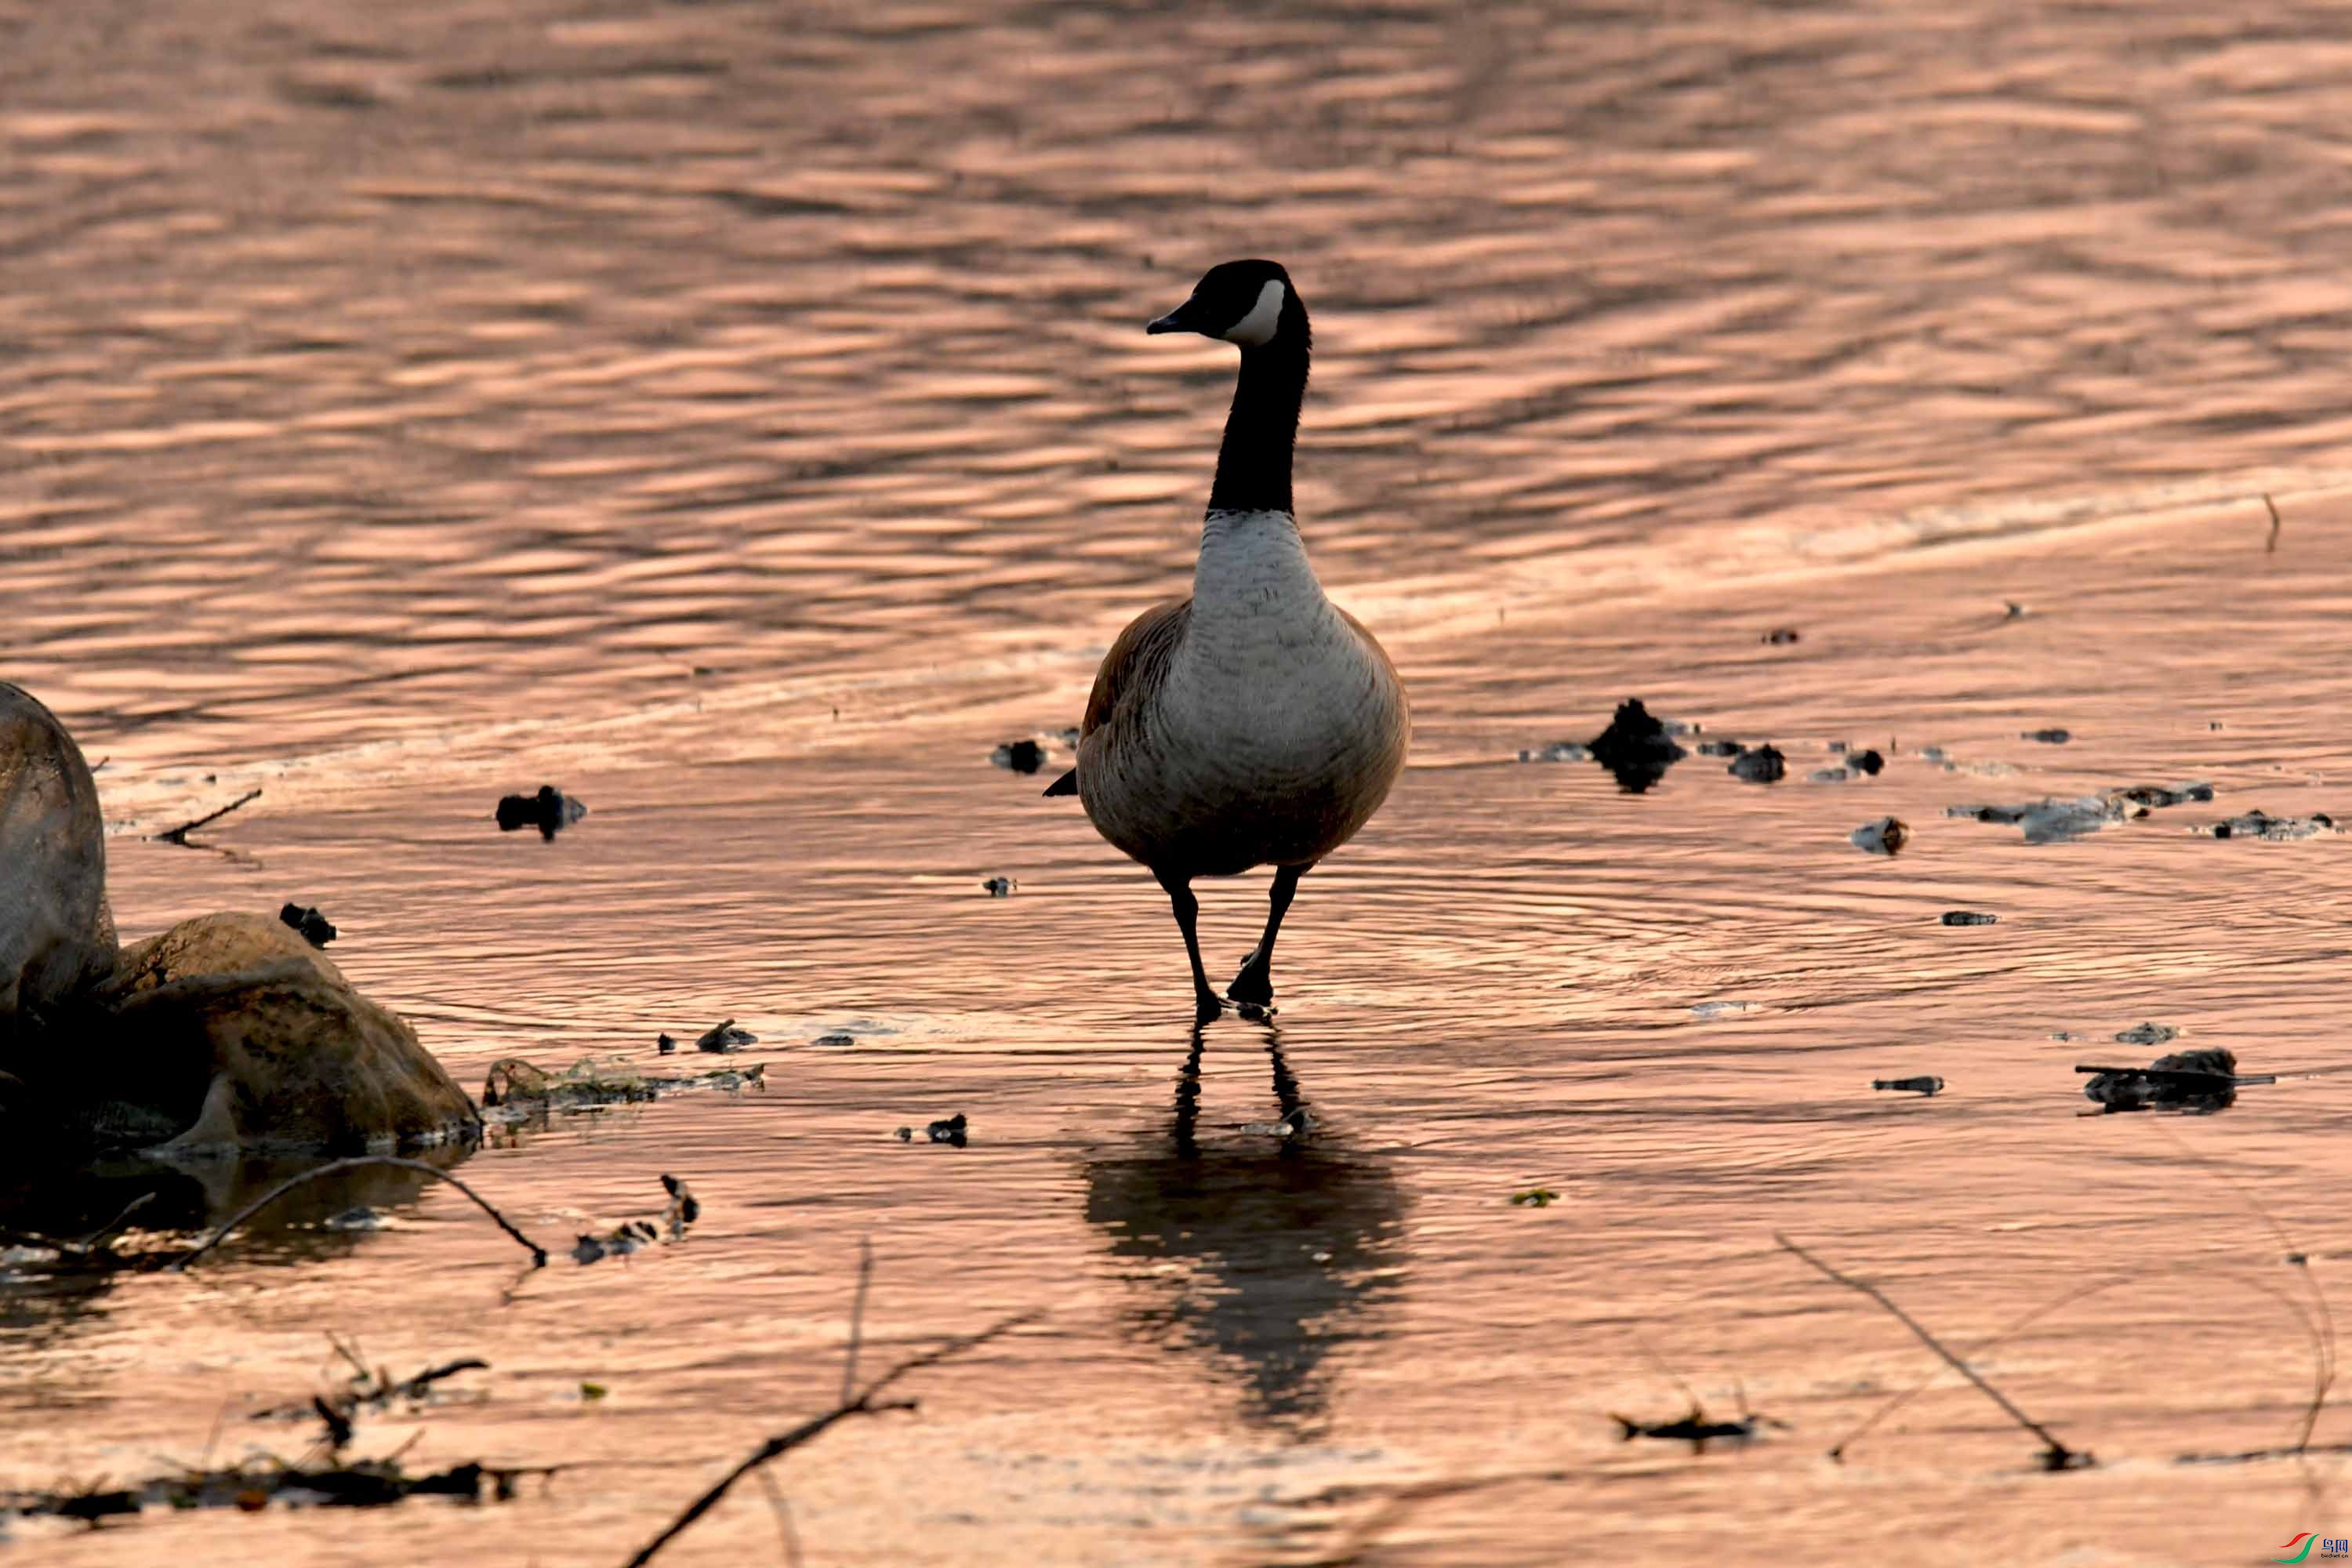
[(1254, 464)]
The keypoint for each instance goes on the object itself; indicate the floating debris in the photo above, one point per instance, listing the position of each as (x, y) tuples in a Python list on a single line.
[(1781, 636), (724, 1037), (1021, 756), (1635, 747), (1000, 886), (309, 923), (683, 1208), (2148, 1035), (1927, 1084), (836, 1039), (665, 1044), (2047, 737), (1559, 752), (950, 1131), (252, 1487), (2197, 1083), (1829, 775), (1535, 1198), (1866, 762), (1720, 747), (906, 1135), (358, 1218), (1765, 764), (2054, 821), (1697, 1429), (1886, 836), (550, 810), (1970, 918), (635, 1235), (2278, 829), (520, 1089), (2016, 611), (1720, 1009)]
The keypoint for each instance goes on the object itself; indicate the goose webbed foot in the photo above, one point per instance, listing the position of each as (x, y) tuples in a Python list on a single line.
[(1254, 983)]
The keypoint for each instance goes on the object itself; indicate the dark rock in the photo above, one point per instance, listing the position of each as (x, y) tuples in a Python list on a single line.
[(1636, 748), (1720, 747), (1765, 764), (2148, 1035), (1559, 752), (951, 1131), (2054, 821), (725, 1036), (1000, 886), (665, 1044), (1969, 918), (2047, 737), (57, 933), (1021, 756), (550, 810), (1869, 763), (1886, 836), (834, 1039), (309, 924), (1781, 636)]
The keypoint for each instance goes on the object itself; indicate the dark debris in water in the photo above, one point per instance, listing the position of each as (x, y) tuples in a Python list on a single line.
[(1021, 756), (1763, 765), (1720, 747), (1000, 886), (635, 1235), (2055, 820), (255, 1485), (1635, 747), (2146, 1034), (2197, 1083), (517, 1086), (1559, 752), (1887, 836), (1969, 918), (948, 1130), (1781, 636), (1697, 1429), (1866, 762), (313, 927), (2276, 829), (724, 1037), (2047, 737), (550, 810), (1927, 1084)]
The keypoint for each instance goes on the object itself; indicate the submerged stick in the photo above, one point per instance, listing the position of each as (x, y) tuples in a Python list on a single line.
[(862, 1402), (538, 1253), (2272, 548), (2055, 1457), (180, 834)]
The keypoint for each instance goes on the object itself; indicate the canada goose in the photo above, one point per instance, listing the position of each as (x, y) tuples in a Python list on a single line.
[(1256, 722)]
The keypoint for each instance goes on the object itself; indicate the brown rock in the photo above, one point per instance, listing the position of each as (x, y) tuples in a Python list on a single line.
[(56, 935), (230, 1032)]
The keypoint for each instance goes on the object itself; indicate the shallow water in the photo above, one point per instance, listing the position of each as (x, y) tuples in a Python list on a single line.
[(745, 425)]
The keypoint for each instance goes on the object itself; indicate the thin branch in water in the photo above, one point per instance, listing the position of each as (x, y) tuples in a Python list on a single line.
[(358, 1162), (180, 834), (2272, 548), (89, 1246), (867, 1401), (857, 1317), (786, 1536), (2055, 1456)]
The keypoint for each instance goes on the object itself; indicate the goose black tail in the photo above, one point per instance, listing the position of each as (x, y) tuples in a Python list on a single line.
[(1066, 785)]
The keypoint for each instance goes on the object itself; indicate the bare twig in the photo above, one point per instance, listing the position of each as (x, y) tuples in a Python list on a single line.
[(862, 1402), (786, 1536), (2272, 548), (84, 1247), (538, 1253), (180, 834), (857, 1317), (2056, 1455)]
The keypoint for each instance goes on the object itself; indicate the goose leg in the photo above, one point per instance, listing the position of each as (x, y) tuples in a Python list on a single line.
[(1205, 1003), (1256, 982)]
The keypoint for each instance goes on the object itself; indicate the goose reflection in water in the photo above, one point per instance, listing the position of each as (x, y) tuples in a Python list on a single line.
[(1286, 1246)]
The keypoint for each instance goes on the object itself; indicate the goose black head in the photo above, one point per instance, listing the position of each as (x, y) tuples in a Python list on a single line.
[(1245, 302)]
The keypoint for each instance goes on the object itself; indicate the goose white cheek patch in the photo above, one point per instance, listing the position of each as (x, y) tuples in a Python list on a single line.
[(1258, 326)]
